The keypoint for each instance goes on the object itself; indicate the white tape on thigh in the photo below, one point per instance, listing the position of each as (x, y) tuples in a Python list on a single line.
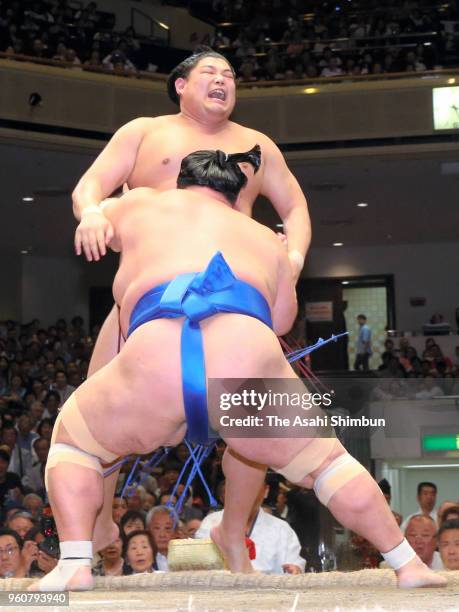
[(400, 555), (309, 459), (59, 453), (340, 471)]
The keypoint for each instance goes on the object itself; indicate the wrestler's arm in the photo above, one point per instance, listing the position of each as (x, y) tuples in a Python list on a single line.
[(111, 169), (285, 306), (282, 189)]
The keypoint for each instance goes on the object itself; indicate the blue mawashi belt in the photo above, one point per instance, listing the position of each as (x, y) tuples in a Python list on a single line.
[(197, 296)]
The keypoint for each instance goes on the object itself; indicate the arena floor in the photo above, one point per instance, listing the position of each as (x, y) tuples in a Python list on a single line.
[(220, 591)]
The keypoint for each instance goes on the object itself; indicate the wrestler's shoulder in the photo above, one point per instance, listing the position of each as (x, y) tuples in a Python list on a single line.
[(146, 124)]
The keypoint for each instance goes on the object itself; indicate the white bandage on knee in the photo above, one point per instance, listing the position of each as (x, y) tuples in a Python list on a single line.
[(59, 453), (73, 421), (340, 471), (309, 459), (400, 555)]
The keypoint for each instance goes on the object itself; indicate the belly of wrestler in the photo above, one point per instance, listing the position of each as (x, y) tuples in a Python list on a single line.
[(135, 403)]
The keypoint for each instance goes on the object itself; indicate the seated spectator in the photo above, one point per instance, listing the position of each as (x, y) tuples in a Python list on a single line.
[(36, 411), (35, 477), (276, 544), (119, 508), (72, 58), (61, 386), (430, 388), (135, 498), (160, 524), (333, 69), (111, 562), (21, 459), (45, 429), (33, 503), (51, 402), (132, 520), (21, 522), (94, 60), (12, 563), (117, 60), (61, 51), (139, 552), (421, 534), (26, 437), (448, 544), (191, 527), (450, 514)]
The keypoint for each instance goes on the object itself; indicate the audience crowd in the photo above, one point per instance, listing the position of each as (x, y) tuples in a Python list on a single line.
[(268, 40), (407, 374), (55, 30)]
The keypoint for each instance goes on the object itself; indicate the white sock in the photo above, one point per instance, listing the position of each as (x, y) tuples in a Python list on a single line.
[(74, 554), (400, 555)]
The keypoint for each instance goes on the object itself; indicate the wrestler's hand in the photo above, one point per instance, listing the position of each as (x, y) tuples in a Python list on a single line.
[(290, 568), (92, 236)]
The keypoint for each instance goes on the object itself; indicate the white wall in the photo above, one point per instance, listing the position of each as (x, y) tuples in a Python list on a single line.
[(420, 270)]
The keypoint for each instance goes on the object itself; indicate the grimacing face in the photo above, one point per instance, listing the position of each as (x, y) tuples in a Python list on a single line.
[(210, 88)]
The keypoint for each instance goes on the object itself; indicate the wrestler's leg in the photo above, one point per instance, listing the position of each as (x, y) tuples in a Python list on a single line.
[(243, 481), (108, 345), (359, 505)]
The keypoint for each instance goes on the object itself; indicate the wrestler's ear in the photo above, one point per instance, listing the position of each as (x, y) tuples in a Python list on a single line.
[(180, 85)]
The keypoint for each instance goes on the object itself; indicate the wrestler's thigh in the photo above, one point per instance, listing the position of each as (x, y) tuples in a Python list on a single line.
[(134, 402)]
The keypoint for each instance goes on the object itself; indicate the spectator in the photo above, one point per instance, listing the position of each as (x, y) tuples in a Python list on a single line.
[(132, 520), (448, 544), (21, 522), (363, 348), (160, 524), (276, 544), (35, 477), (33, 503), (51, 402), (191, 527), (26, 437), (386, 491), (45, 429), (119, 508), (12, 563), (94, 60), (426, 497), (430, 389), (139, 551), (63, 389), (36, 412), (421, 534), (111, 562), (117, 61)]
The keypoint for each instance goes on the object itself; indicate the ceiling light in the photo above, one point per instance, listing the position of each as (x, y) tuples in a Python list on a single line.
[(433, 465), (451, 81), (28, 199), (345, 282), (362, 205), (24, 252), (337, 244)]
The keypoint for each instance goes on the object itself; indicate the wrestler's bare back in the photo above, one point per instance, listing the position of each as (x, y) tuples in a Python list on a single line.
[(168, 139), (160, 236)]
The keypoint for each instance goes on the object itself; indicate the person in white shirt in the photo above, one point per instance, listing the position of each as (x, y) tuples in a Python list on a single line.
[(160, 523), (430, 389), (426, 496), (277, 547)]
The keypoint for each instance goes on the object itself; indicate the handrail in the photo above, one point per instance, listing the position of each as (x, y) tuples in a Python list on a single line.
[(152, 21)]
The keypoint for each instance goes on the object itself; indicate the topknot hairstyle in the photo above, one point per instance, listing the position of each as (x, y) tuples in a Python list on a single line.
[(218, 170)]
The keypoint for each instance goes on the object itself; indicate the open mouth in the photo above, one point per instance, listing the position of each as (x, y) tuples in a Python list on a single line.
[(218, 94)]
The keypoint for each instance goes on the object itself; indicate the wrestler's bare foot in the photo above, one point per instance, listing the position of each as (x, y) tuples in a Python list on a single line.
[(416, 574), (80, 580), (104, 535), (234, 553)]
